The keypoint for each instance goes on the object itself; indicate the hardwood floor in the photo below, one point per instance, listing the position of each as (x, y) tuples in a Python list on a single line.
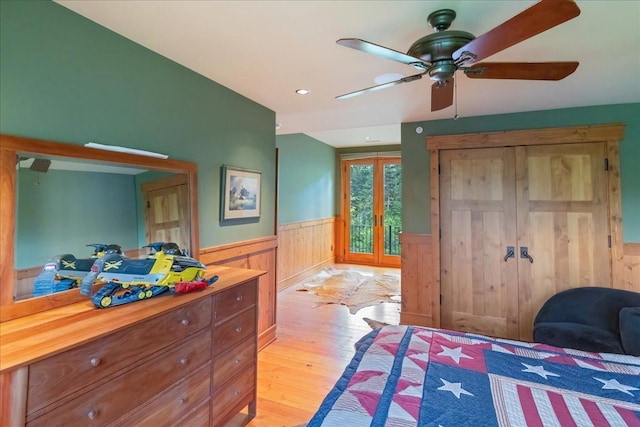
[(314, 344)]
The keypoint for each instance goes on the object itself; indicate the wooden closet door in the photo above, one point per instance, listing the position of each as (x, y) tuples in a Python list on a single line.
[(562, 211), (477, 207)]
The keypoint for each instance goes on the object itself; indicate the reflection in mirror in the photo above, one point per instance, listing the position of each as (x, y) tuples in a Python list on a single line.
[(107, 207), (69, 210)]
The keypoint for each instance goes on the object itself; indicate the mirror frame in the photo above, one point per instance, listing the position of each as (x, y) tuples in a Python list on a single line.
[(10, 147)]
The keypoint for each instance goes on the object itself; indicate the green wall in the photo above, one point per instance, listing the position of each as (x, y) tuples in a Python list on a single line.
[(54, 220), (307, 178), (415, 158), (65, 78)]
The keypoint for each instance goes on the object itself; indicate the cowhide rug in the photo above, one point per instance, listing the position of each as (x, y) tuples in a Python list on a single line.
[(353, 289)]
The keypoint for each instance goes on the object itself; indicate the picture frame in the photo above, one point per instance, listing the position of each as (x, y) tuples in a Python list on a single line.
[(241, 191)]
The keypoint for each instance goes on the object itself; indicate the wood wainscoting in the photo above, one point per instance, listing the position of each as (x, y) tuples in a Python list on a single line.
[(418, 306), (257, 254), (631, 267), (303, 249)]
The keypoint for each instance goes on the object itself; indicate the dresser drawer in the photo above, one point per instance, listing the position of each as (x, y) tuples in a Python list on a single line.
[(71, 371), (234, 300), (167, 409), (108, 402), (232, 362), (234, 330), (233, 395), (199, 417)]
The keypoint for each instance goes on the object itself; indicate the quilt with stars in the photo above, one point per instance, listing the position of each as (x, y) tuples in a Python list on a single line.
[(413, 376)]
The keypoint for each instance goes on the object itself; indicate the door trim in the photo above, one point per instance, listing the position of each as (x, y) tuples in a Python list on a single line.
[(611, 134)]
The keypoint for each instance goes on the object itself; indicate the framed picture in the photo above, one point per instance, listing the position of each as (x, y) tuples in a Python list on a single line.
[(240, 193)]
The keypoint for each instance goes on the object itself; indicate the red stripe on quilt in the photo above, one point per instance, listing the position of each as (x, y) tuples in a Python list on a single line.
[(529, 408), (561, 410), (629, 417), (595, 415)]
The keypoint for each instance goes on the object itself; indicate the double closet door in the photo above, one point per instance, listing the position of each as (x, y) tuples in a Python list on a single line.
[(518, 225)]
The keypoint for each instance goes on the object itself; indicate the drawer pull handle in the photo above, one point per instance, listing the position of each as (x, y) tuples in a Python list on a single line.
[(182, 400), (184, 361), (184, 322), (236, 392), (92, 414), (239, 329), (237, 361), (239, 298), (95, 361)]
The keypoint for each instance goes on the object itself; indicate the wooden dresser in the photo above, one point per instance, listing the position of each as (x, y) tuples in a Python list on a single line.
[(172, 360)]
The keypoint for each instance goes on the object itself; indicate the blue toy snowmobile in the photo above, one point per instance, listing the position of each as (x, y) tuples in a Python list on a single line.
[(124, 280), (64, 272)]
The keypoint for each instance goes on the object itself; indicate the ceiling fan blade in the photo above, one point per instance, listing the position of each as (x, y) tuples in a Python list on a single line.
[(538, 18), (383, 52), (521, 70), (382, 86), (442, 94)]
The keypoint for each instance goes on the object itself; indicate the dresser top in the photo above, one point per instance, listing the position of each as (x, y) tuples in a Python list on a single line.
[(31, 338)]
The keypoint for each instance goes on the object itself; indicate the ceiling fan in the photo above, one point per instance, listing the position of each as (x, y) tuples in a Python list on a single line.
[(444, 52)]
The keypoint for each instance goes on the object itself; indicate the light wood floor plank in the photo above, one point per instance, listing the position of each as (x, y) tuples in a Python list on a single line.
[(314, 344)]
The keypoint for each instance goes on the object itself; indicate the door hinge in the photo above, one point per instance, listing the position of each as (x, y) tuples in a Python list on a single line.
[(438, 169), (148, 204), (609, 240), (440, 299), (440, 233), (606, 164)]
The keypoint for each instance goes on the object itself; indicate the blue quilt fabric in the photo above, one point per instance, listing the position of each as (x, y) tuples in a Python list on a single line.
[(411, 376)]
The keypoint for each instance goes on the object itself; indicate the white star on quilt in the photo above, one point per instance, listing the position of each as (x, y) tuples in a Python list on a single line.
[(615, 385), (454, 353), (539, 370), (454, 388)]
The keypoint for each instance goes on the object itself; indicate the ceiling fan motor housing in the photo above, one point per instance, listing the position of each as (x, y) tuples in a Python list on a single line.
[(438, 48)]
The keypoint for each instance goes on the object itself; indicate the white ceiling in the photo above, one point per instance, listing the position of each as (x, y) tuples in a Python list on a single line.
[(265, 50)]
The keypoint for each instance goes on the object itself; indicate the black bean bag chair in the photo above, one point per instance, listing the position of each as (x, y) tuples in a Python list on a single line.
[(601, 320)]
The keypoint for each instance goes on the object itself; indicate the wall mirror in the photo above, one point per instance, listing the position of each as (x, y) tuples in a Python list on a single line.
[(57, 198)]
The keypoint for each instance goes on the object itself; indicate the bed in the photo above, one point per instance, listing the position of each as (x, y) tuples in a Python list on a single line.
[(413, 376)]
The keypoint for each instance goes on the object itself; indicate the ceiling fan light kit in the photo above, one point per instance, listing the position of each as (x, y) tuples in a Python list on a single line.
[(445, 51)]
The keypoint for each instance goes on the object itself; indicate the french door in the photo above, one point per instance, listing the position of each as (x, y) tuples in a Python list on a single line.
[(372, 210)]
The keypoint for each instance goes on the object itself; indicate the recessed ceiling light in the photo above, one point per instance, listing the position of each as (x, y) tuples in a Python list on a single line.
[(303, 92)]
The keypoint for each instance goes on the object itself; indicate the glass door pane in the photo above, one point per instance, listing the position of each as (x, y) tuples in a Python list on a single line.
[(361, 209), (392, 207)]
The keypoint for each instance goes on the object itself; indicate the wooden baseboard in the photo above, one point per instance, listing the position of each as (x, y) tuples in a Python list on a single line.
[(283, 284), (416, 319), (266, 337)]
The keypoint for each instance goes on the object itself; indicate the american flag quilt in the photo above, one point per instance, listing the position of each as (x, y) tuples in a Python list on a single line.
[(412, 376)]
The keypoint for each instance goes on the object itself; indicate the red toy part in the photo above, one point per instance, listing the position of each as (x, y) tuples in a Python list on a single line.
[(186, 287)]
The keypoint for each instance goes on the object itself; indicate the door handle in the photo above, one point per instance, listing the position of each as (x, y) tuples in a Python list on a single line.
[(524, 253), (511, 253)]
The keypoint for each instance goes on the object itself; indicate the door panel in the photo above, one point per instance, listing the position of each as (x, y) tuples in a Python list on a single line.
[(562, 219), (372, 200), (477, 196), (390, 212), (166, 215), (360, 214)]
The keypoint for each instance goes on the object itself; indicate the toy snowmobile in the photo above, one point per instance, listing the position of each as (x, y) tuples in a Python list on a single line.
[(64, 272), (126, 280)]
